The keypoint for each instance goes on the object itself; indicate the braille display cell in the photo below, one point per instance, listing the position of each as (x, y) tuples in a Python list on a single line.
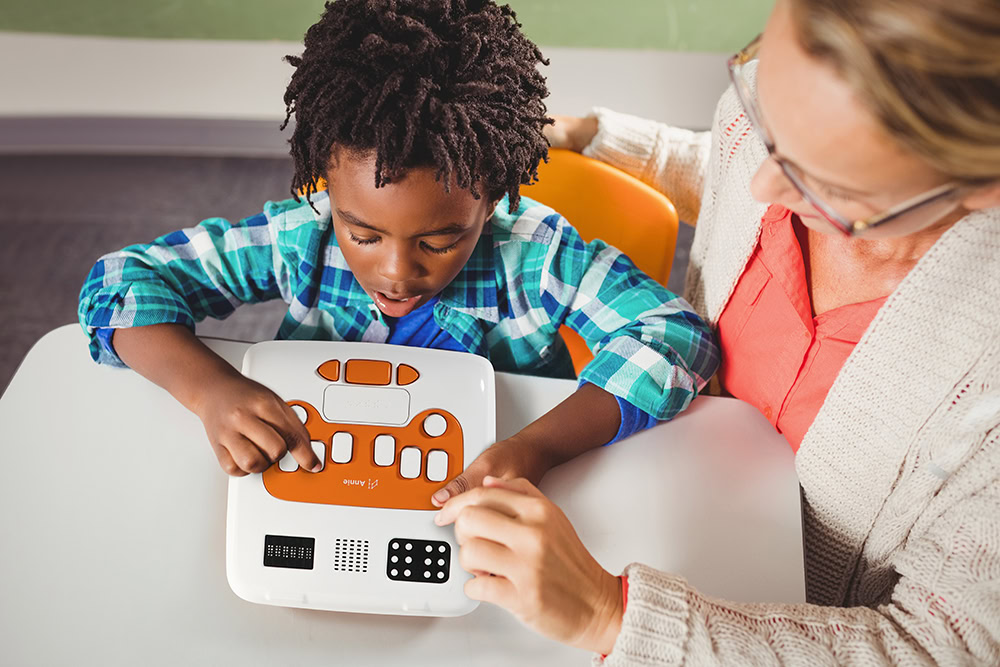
[(287, 551)]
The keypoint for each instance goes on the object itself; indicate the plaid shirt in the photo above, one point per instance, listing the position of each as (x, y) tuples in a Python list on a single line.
[(529, 273)]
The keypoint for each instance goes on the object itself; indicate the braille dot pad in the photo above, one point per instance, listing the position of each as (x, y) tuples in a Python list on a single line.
[(350, 555), (398, 568)]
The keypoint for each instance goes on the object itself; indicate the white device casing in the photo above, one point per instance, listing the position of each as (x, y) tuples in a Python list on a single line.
[(460, 383)]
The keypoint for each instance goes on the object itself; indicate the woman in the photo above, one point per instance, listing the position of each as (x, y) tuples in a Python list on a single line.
[(848, 255)]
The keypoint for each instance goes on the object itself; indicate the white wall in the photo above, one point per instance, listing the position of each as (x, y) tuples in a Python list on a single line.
[(187, 96)]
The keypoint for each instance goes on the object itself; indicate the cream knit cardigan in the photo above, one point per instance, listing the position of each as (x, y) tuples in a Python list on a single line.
[(900, 471)]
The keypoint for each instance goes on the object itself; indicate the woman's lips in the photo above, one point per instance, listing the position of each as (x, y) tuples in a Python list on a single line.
[(395, 307)]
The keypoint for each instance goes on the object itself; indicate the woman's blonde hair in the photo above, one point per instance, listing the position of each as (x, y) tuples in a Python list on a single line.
[(928, 69)]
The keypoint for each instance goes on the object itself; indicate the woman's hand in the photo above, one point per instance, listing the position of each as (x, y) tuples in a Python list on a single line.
[(571, 132), (526, 557), (250, 427)]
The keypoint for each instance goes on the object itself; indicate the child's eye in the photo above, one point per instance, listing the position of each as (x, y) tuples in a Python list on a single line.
[(440, 251), (362, 241)]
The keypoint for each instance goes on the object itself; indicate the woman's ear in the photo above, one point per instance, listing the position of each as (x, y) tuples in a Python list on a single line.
[(983, 197)]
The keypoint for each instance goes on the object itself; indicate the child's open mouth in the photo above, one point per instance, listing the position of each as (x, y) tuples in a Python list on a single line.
[(395, 307)]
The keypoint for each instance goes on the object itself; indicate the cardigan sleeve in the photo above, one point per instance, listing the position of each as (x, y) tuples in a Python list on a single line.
[(943, 609), (670, 159)]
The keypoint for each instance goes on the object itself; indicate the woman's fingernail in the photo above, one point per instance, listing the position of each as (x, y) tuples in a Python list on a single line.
[(437, 518), (317, 467), (440, 497)]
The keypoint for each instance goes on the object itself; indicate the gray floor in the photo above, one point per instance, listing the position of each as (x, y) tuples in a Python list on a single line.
[(60, 213)]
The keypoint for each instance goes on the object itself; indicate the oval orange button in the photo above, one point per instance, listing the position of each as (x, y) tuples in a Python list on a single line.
[(367, 371)]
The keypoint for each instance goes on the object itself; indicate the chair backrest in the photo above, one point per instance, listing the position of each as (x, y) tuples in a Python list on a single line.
[(605, 203)]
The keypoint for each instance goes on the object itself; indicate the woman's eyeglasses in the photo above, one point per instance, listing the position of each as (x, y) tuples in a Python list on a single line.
[(909, 216)]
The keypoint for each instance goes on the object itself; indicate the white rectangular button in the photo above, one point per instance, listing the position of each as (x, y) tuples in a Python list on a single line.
[(354, 404), (437, 465), (409, 462), (385, 450), (288, 463), (343, 447), (320, 450)]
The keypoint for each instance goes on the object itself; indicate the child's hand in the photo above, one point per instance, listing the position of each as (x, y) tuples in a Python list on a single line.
[(250, 427), (526, 557), (506, 459), (587, 418)]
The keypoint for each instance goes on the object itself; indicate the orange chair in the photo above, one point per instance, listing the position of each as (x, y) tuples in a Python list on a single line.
[(605, 203)]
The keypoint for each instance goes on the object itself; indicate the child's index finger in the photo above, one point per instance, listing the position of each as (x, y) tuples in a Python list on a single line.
[(298, 441), (302, 450)]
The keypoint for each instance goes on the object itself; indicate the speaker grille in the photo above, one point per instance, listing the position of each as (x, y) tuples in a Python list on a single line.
[(350, 555)]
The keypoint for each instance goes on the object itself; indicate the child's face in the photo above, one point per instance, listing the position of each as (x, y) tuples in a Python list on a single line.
[(405, 241)]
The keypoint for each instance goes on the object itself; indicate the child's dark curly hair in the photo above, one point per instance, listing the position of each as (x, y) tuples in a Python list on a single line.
[(450, 84)]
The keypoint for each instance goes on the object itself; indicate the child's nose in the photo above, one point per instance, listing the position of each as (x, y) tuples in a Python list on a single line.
[(399, 265)]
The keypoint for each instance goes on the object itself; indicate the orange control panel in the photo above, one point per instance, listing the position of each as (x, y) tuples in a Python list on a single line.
[(369, 465)]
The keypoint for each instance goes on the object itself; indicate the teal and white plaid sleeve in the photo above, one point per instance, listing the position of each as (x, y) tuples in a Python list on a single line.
[(650, 348), (183, 277), (529, 274)]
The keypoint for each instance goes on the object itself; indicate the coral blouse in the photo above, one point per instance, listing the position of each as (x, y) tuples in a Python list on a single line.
[(775, 354)]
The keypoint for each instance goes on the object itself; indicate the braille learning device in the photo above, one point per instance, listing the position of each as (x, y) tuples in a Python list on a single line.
[(391, 425)]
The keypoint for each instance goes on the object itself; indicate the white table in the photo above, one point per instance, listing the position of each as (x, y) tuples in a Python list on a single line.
[(113, 508)]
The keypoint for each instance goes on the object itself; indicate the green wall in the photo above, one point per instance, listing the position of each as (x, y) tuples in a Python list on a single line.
[(672, 25)]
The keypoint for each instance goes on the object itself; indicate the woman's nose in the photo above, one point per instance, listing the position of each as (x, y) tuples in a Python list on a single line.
[(770, 185)]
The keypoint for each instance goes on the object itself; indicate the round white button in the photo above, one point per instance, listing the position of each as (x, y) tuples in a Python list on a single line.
[(300, 412), (435, 425)]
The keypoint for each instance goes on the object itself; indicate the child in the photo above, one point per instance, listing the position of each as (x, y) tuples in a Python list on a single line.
[(423, 118)]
